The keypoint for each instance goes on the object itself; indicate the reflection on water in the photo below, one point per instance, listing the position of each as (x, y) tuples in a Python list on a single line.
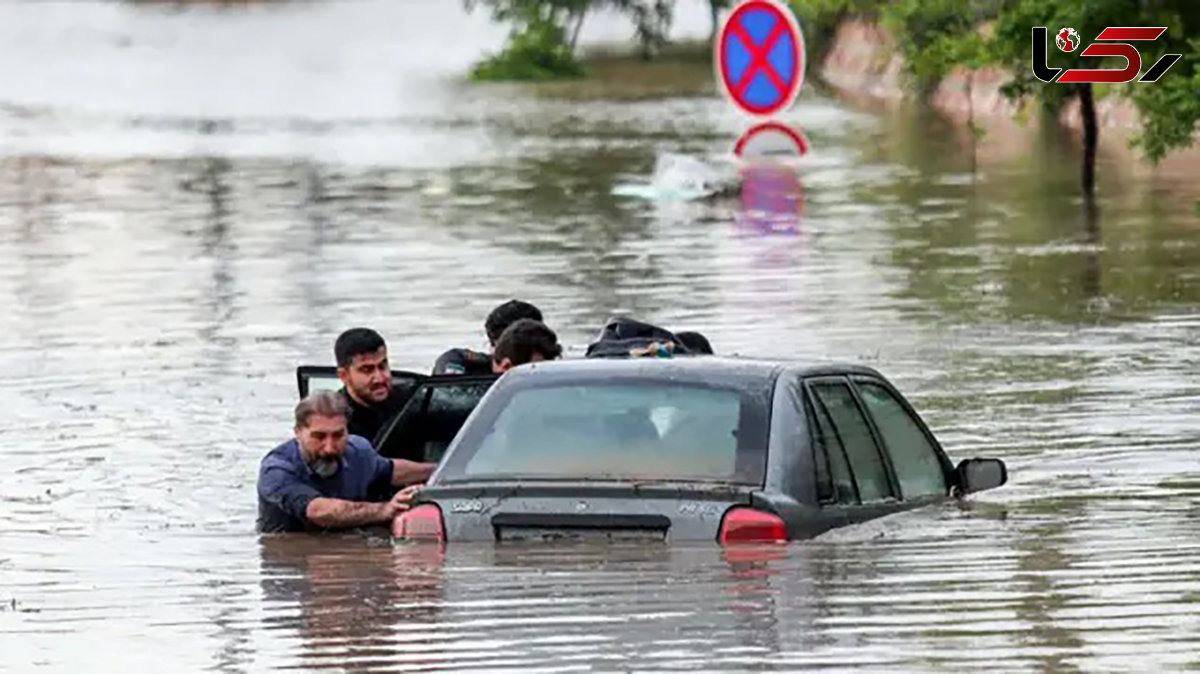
[(772, 198), (1016, 243), (356, 598), (178, 234)]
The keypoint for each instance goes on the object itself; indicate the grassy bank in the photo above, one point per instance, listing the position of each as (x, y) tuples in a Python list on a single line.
[(619, 72)]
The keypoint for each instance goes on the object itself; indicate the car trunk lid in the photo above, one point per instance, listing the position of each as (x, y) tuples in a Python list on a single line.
[(584, 511)]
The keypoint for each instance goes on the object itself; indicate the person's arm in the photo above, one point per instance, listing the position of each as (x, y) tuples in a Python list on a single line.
[(280, 487), (335, 513), (399, 473), (405, 472)]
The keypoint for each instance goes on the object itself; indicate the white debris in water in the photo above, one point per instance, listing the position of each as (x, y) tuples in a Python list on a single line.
[(682, 177)]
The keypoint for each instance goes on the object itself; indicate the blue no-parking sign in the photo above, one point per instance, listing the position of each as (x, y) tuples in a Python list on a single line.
[(760, 57)]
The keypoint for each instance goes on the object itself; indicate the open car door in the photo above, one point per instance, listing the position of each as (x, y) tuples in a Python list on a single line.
[(437, 407), (436, 411)]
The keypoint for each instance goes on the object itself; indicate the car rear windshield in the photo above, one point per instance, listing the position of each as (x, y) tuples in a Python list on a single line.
[(617, 431)]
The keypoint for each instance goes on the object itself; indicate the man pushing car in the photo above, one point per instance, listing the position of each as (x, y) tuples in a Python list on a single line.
[(324, 478)]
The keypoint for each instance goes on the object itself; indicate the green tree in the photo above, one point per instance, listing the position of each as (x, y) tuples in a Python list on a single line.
[(544, 35), (1168, 112), (538, 47), (819, 20), (1170, 108)]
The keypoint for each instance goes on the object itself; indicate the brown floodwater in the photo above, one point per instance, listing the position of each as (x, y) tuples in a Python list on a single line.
[(194, 200)]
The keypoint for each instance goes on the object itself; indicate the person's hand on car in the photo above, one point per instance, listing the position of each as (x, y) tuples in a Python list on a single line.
[(402, 500)]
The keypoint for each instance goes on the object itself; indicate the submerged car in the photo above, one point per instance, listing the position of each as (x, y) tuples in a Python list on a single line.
[(691, 448)]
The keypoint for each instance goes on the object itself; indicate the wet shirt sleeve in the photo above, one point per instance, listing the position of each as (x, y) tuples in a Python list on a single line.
[(280, 487), (381, 478)]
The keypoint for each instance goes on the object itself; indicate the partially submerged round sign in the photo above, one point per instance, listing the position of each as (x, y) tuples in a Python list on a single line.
[(771, 139), (759, 57)]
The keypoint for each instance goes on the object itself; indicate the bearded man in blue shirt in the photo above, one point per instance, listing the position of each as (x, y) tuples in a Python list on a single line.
[(324, 478)]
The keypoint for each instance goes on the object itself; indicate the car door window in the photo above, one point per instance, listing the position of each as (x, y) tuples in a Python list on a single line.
[(854, 434), (834, 482), (436, 411), (916, 461)]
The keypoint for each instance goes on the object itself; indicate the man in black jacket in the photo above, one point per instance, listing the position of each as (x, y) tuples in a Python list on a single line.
[(466, 361), (362, 366)]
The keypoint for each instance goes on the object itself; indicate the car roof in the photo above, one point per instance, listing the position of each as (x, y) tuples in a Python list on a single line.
[(684, 368)]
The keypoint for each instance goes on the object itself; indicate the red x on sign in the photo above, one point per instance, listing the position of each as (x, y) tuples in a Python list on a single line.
[(758, 57)]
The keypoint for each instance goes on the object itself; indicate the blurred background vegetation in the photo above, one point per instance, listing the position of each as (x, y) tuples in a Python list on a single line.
[(934, 37)]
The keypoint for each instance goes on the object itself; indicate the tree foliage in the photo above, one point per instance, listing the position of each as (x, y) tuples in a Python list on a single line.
[(544, 34), (935, 35), (538, 45)]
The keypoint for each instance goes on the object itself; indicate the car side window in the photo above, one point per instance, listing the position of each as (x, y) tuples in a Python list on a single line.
[(835, 484), (854, 434), (916, 461)]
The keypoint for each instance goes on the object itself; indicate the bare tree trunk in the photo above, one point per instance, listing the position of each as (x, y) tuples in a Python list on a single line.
[(578, 19), (1087, 112), (971, 123), (714, 8)]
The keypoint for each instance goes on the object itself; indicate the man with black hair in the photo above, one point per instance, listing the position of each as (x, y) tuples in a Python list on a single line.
[(366, 376), (695, 342), (525, 341), (466, 361)]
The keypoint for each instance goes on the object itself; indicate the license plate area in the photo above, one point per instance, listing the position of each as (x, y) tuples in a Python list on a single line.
[(550, 527), (547, 535)]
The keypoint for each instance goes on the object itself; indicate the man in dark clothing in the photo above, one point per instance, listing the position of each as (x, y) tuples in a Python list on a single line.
[(463, 361), (325, 478), (466, 361), (366, 376), (625, 337), (695, 342), (525, 341)]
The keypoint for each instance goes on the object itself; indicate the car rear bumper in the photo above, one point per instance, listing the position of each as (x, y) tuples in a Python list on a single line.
[(583, 511)]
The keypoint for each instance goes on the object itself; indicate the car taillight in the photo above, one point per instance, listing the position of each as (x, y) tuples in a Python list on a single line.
[(746, 525), (423, 523)]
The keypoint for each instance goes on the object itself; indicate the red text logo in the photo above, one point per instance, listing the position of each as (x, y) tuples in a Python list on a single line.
[(1112, 41)]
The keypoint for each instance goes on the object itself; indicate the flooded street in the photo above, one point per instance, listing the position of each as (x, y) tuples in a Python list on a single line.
[(193, 202)]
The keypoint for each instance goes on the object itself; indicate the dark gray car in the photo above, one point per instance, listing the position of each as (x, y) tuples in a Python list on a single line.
[(690, 448)]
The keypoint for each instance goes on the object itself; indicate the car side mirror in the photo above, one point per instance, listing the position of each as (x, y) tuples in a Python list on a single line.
[(975, 475)]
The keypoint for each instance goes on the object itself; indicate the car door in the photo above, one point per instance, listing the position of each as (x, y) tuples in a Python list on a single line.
[(436, 411), (853, 473), (921, 467)]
